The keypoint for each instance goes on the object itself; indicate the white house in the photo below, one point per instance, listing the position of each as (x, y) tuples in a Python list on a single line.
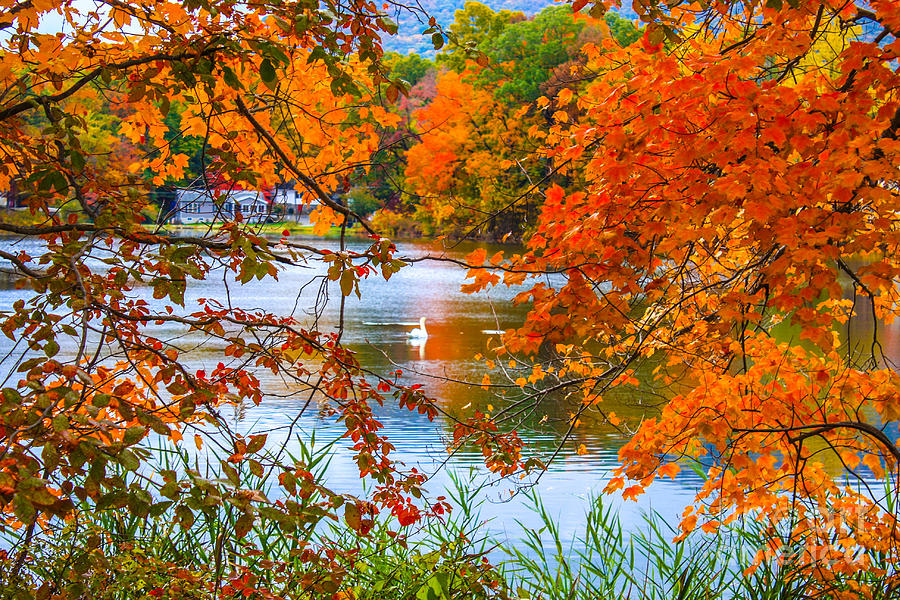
[(208, 206), (222, 203)]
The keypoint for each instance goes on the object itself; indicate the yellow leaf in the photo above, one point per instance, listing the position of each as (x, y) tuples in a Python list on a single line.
[(874, 463), (669, 470), (485, 381), (476, 257), (710, 526), (851, 459), (631, 493), (564, 96), (616, 483), (322, 218)]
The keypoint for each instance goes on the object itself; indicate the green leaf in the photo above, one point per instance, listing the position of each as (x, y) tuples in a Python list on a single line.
[(256, 443), (231, 473), (77, 159), (438, 40), (158, 426), (440, 583), (51, 348), (160, 508), (50, 456), (170, 490), (12, 395), (128, 460), (388, 25), (53, 179), (426, 593), (184, 516), (318, 53), (231, 79), (60, 423), (243, 525), (277, 53), (41, 496), (23, 508), (139, 503), (113, 499), (267, 72), (348, 278), (284, 25), (288, 482), (133, 435)]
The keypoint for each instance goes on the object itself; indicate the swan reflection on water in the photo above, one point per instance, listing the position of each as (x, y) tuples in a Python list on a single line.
[(419, 343), (417, 338)]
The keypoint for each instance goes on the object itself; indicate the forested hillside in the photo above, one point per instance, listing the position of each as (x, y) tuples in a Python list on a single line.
[(450, 166), (409, 37)]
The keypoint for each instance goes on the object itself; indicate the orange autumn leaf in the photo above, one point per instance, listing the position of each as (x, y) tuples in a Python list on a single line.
[(669, 470)]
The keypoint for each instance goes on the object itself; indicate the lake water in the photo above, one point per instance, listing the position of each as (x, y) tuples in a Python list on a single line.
[(456, 324)]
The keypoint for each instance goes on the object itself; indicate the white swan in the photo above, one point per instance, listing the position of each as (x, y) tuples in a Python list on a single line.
[(419, 333)]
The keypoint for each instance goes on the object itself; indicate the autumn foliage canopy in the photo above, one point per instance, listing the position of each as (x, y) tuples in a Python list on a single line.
[(718, 200), (735, 214)]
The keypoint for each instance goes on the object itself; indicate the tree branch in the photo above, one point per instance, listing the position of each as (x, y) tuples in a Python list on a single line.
[(21, 266), (84, 80), (808, 431), (308, 181)]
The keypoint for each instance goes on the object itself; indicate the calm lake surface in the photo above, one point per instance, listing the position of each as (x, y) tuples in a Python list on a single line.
[(457, 325)]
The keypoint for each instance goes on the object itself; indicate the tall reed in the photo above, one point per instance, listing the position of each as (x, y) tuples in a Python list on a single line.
[(604, 562), (109, 554)]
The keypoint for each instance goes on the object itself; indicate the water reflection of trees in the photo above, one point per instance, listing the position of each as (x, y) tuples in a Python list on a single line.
[(8, 280)]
